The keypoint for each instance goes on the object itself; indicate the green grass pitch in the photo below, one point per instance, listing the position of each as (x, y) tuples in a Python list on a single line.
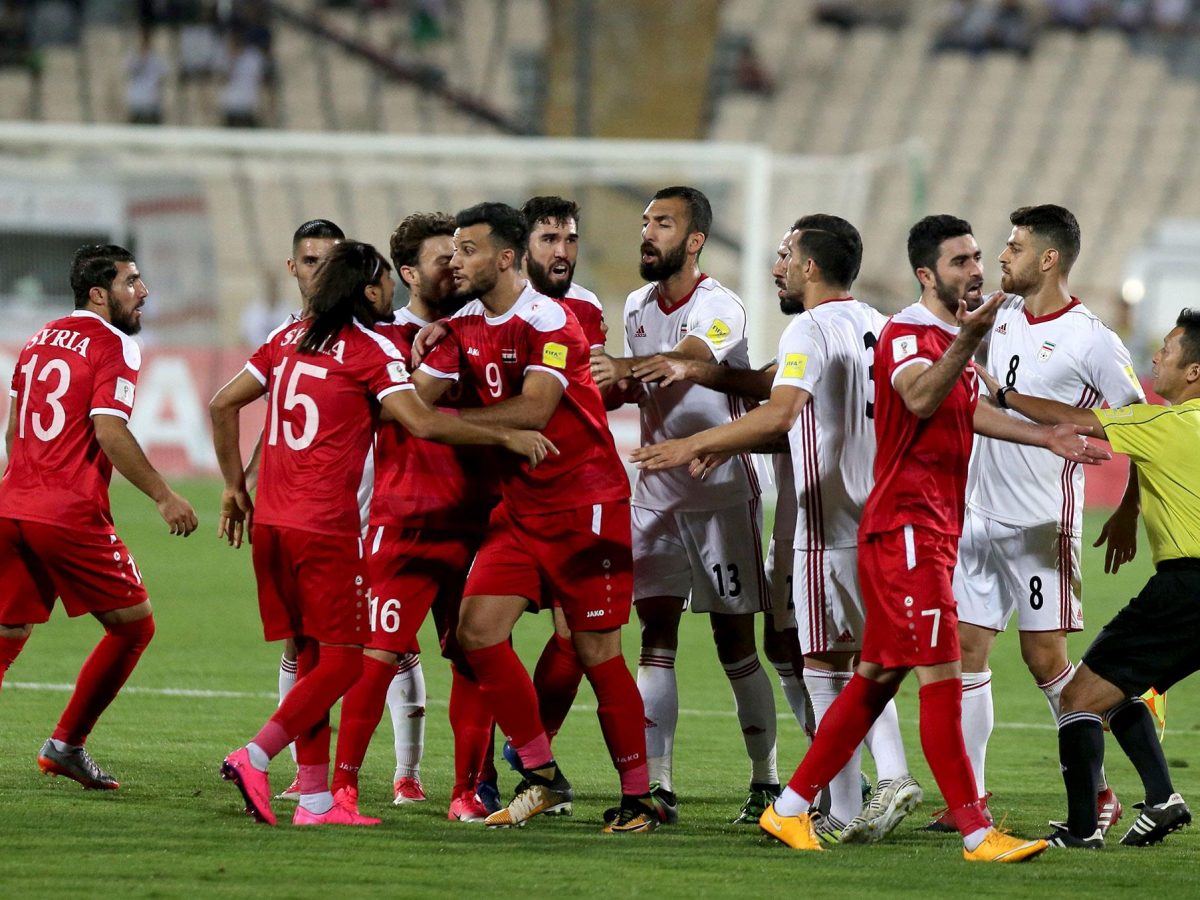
[(174, 828)]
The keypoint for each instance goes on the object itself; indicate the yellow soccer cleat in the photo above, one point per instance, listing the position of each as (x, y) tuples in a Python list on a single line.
[(1004, 848), (795, 831)]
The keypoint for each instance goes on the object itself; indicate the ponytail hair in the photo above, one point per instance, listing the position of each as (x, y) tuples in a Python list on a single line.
[(339, 291)]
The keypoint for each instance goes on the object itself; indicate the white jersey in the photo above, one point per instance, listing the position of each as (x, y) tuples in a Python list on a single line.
[(1069, 356), (713, 314), (828, 351)]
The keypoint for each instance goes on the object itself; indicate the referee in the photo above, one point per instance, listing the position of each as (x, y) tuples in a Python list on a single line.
[(1151, 642)]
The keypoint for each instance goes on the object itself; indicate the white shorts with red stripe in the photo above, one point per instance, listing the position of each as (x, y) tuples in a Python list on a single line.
[(828, 606), (1030, 569), (712, 559)]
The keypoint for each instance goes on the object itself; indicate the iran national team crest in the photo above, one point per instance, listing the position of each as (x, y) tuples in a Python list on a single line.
[(1044, 353)]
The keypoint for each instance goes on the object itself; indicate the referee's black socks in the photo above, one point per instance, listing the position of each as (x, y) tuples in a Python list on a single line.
[(1081, 755), (1133, 726)]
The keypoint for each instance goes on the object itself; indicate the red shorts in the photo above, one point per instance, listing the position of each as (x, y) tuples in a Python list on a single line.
[(93, 572), (411, 572), (310, 585), (581, 557), (911, 616)]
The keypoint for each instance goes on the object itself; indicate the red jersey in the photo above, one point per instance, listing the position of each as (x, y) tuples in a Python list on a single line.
[(538, 335), (920, 464), (424, 484), (321, 416), (588, 310), (76, 367)]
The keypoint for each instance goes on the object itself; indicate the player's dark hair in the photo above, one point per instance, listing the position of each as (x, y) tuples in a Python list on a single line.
[(339, 290), (1189, 341), (699, 209), (406, 241), (95, 265), (925, 239), (833, 244), (317, 229), (507, 225), (549, 209), (1054, 225)]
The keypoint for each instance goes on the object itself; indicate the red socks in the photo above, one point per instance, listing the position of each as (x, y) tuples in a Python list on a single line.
[(304, 714), (362, 708), (472, 724), (509, 694), (623, 722), (102, 676), (942, 741), (10, 649), (556, 680), (841, 731)]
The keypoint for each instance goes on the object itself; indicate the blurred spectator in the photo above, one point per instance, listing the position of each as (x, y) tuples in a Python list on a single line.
[(241, 100), (201, 53), (1170, 16), (750, 76), (15, 49), (145, 72), (977, 27), (1077, 15), (1011, 28), (55, 22), (847, 14)]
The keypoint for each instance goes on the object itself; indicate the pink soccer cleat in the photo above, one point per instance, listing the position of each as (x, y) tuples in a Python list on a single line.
[(291, 792), (338, 814), (408, 790), (466, 807), (254, 785)]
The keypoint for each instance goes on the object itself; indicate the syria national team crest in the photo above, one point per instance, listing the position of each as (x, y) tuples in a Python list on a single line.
[(1045, 351), (508, 356)]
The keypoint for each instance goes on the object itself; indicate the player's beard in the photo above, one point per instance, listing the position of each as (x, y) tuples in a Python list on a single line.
[(127, 322), (789, 302), (478, 286), (1012, 283), (949, 296), (545, 282), (666, 264)]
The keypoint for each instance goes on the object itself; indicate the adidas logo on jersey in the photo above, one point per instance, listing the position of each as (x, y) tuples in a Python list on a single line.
[(1003, 329), (641, 331)]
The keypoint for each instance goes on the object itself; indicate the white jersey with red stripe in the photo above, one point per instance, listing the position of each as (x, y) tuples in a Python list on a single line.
[(1069, 356), (715, 315), (828, 351)]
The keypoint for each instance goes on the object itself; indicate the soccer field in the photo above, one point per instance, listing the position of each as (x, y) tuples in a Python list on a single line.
[(208, 681)]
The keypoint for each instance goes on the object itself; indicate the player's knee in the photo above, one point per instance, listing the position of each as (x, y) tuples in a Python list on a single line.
[(138, 633), (1045, 662), (15, 632)]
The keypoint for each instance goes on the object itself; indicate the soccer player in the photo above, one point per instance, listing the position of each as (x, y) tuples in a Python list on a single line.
[(427, 516), (1021, 535), (697, 544), (561, 531), (925, 411), (821, 401), (310, 242), (550, 259), (1152, 641), (322, 376), (68, 426)]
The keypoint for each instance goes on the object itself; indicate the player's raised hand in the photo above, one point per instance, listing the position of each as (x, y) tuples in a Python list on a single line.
[(532, 445), (1070, 442), (979, 320), (237, 513), (428, 338), (1119, 534), (993, 385), (665, 455), (662, 369), (178, 514)]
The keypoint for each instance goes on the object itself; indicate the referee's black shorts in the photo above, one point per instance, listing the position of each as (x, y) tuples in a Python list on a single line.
[(1154, 641)]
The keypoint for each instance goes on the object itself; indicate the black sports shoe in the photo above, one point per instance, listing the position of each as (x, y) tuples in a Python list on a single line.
[(1061, 837), (1155, 822), (761, 796), (665, 803)]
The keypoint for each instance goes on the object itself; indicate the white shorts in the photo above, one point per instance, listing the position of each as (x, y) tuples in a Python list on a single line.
[(1032, 569), (712, 559), (829, 605)]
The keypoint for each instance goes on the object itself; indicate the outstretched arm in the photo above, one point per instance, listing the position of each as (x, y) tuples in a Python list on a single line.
[(1066, 440), (754, 384)]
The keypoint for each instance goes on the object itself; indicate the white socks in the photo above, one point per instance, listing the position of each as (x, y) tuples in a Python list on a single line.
[(754, 700), (660, 696), (845, 790), (287, 678), (977, 720), (406, 703), (886, 745), (796, 694)]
